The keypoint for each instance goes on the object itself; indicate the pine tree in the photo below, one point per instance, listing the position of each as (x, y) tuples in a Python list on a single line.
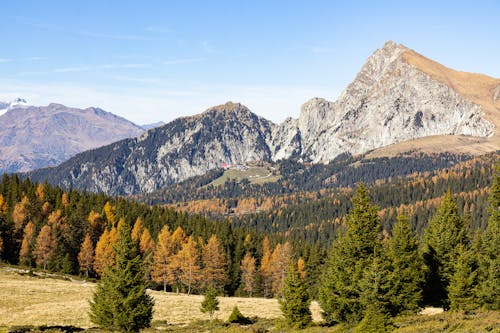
[(444, 233), (407, 274), (351, 253), (210, 302), (488, 258), (295, 302), (120, 301), (463, 283)]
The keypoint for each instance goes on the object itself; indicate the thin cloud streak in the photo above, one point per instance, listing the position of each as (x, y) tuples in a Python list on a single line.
[(118, 37), (92, 68), (183, 61)]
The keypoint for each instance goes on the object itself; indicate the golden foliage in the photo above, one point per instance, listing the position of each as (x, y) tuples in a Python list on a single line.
[(86, 255)]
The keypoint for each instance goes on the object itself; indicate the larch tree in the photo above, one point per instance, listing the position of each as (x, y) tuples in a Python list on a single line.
[(281, 260), (248, 273), (444, 233), (265, 268), (96, 225), (137, 230), (46, 246), (162, 257), (146, 243), (109, 212), (25, 254), (120, 301), (340, 289), (407, 270), (20, 213), (104, 252), (86, 256), (301, 268), (188, 259), (214, 263)]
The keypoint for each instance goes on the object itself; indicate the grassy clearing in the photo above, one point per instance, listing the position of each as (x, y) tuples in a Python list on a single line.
[(29, 300), (254, 174), (36, 301)]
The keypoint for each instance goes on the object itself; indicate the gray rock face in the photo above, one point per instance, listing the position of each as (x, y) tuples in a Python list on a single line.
[(35, 137), (389, 101)]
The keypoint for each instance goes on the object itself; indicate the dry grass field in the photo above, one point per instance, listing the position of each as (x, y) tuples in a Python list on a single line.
[(28, 300), (54, 301)]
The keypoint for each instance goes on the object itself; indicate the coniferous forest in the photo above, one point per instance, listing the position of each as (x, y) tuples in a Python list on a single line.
[(367, 253)]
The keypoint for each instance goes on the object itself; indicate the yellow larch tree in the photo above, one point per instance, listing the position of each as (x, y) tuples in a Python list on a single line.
[(86, 255), (214, 263), (45, 247), (25, 254), (188, 259), (248, 272), (265, 268), (162, 257), (280, 264)]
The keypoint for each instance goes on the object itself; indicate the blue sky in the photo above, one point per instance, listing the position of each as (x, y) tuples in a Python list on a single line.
[(158, 60)]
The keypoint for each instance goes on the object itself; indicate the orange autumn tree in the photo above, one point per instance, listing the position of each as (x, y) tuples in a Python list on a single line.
[(104, 252), (188, 259), (96, 225), (281, 261), (20, 213), (265, 268), (174, 266), (46, 246), (248, 272), (137, 230), (86, 255), (162, 257), (25, 254), (214, 263)]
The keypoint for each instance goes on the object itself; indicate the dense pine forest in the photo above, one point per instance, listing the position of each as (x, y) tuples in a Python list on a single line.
[(384, 248)]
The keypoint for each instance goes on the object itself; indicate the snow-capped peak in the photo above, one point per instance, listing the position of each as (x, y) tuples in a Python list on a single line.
[(15, 103)]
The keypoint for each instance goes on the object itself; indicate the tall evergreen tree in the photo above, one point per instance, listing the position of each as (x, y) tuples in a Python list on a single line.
[(352, 252), (120, 301), (295, 302), (444, 233), (489, 261), (463, 282), (407, 274)]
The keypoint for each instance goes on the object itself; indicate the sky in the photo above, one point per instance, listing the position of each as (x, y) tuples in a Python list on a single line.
[(152, 61)]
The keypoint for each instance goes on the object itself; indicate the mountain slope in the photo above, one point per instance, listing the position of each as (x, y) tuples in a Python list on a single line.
[(398, 96), (188, 146), (33, 137), (399, 100)]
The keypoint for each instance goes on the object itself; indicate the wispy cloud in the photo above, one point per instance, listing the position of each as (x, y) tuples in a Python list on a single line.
[(183, 61), (116, 36), (142, 80), (92, 68), (323, 49), (5, 60), (157, 29)]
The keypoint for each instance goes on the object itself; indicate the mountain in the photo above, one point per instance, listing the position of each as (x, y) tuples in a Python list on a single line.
[(33, 137), (399, 99), (398, 96), (152, 125), (185, 147)]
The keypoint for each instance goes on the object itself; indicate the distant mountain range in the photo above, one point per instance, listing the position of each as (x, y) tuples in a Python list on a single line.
[(399, 101), (33, 137)]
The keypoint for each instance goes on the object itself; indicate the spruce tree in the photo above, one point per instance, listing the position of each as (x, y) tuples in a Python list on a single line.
[(489, 261), (210, 303), (463, 283), (120, 301), (340, 290), (407, 274), (444, 233), (295, 302)]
